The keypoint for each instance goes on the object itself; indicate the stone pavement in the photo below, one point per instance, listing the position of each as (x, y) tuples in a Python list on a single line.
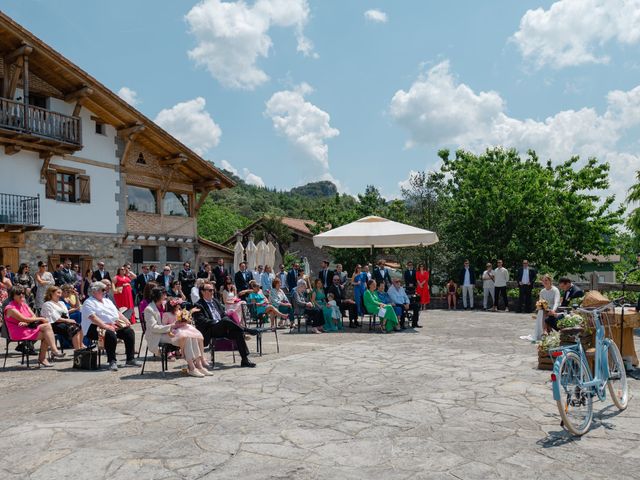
[(460, 398)]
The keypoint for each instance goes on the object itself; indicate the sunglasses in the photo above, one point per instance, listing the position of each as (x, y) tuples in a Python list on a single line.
[(207, 289)]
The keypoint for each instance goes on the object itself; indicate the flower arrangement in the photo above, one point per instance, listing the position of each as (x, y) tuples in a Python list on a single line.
[(570, 321), (549, 341), (184, 316)]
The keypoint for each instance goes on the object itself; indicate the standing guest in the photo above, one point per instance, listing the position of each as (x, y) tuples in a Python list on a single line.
[(86, 282), (242, 278), (302, 305), (166, 278), (501, 277), (219, 272), (367, 270), (187, 277), (5, 284), (422, 286), (342, 275), (266, 280), (319, 300), (68, 275), (100, 312), (279, 300), (212, 322), (56, 312), (207, 273), (488, 287), (402, 304), (336, 313), (173, 333), (381, 275), (25, 279), (256, 275), (72, 302), (569, 291), (175, 291), (342, 301), (141, 281), (526, 277), (57, 274), (349, 299), (410, 281), (468, 284), (123, 293), (9, 274), (78, 283), (292, 277), (359, 282), (194, 295), (325, 275), (153, 273), (44, 280), (282, 276), (374, 306), (452, 297), (23, 325), (101, 274)]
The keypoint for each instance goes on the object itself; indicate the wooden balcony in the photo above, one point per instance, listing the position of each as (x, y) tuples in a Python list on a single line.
[(38, 128), (19, 213)]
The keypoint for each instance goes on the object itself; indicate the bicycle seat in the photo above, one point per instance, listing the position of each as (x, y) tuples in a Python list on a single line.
[(572, 331)]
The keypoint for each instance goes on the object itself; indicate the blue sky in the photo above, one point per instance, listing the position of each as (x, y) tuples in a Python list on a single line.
[(363, 98)]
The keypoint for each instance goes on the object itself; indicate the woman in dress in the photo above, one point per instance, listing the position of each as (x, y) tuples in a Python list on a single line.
[(146, 300), (194, 294), (5, 284), (452, 288), (56, 312), (123, 293), (173, 333), (319, 300), (233, 305), (373, 305), (302, 306), (551, 295), (23, 325), (422, 287), (86, 282), (71, 300), (175, 291), (25, 279), (279, 299), (263, 307), (359, 282), (44, 280)]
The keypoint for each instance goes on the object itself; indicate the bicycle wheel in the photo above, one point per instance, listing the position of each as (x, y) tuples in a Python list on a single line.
[(617, 381), (576, 403)]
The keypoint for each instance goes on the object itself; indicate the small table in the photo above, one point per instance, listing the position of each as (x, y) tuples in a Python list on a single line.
[(631, 322)]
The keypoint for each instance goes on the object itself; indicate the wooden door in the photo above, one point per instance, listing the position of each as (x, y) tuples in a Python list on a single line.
[(10, 256), (86, 263)]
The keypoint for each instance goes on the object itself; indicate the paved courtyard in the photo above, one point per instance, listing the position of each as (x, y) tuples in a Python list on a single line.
[(460, 398)]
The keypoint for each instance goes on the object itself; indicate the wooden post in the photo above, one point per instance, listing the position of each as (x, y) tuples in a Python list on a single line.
[(25, 93)]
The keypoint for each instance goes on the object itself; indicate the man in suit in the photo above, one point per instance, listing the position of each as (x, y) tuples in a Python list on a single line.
[(468, 283), (282, 276), (57, 275), (525, 277), (569, 291), (187, 277), (337, 289), (220, 273), (381, 275), (213, 322), (325, 275), (100, 274), (142, 280), (166, 279), (292, 277), (242, 278), (410, 279)]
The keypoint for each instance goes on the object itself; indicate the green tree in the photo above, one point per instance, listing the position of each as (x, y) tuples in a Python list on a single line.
[(502, 206), (634, 197), (217, 222)]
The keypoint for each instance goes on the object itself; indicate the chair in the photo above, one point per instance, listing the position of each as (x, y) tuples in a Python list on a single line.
[(298, 319), (222, 344), (143, 325), (372, 321), (165, 349), (260, 320), (4, 333)]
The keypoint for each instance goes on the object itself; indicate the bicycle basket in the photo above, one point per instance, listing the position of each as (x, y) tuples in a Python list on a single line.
[(607, 316)]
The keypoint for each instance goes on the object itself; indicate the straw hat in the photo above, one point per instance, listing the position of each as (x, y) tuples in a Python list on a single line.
[(594, 298)]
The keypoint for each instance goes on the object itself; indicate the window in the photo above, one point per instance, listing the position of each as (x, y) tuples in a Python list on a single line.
[(141, 199), (174, 254), (38, 100), (101, 129), (176, 204), (67, 187), (141, 159), (149, 254)]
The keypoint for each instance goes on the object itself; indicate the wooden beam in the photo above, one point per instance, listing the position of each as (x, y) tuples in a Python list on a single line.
[(129, 134), (11, 83), (29, 145), (201, 199), (82, 92), (134, 129), (209, 184), (178, 159), (78, 107), (19, 52), (46, 157), (12, 149)]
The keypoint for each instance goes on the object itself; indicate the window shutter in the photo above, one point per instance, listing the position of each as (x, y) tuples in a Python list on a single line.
[(85, 189), (50, 184)]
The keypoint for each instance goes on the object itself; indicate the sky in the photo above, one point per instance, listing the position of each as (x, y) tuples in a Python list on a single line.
[(283, 92)]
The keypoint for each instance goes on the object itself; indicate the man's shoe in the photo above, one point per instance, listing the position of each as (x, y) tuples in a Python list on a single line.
[(113, 366), (133, 363), (247, 363), (417, 326)]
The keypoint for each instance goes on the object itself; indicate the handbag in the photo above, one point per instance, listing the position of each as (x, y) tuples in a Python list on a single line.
[(382, 312), (85, 359)]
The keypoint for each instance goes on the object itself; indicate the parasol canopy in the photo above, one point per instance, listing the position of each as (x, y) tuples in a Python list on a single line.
[(375, 232), (238, 254), (252, 252), (261, 253)]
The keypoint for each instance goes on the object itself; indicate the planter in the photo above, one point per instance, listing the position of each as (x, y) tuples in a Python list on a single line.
[(545, 362)]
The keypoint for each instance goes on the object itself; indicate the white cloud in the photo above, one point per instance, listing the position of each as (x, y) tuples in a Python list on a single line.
[(571, 32), (439, 111), (232, 36), (190, 123), (246, 175), (130, 96), (304, 125), (375, 15)]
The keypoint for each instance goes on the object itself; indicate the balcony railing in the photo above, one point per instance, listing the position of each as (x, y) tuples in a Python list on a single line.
[(40, 122), (19, 210)]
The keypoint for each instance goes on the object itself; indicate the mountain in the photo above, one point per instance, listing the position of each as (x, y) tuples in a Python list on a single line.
[(321, 189)]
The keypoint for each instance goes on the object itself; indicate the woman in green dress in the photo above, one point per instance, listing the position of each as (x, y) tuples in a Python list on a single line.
[(373, 305), (319, 300)]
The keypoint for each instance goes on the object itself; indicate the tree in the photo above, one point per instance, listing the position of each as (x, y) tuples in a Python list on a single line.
[(634, 197), (217, 222), (272, 228), (501, 206)]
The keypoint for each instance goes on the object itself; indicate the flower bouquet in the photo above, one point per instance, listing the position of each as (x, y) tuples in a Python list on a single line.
[(570, 321), (542, 304)]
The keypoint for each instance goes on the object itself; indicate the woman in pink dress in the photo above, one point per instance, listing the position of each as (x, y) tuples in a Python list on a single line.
[(182, 328), (232, 303), (422, 289), (122, 293), (23, 325)]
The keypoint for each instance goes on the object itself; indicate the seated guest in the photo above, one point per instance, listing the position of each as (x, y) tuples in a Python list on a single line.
[(108, 292), (213, 322), (319, 300), (279, 299), (569, 291), (551, 294), (206, 273), (343, 296), (23, 325), (302, 305), (57, 313), (402, 304), (195, 291), (257, 298), (232, 303), (146, 299), (374, 306), (174, 331), (176, 291), (336, 314), (99, 311), (70, 298)]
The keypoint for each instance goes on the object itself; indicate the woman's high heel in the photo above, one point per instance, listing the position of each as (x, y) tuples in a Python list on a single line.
[(44, 365), (58, 355)]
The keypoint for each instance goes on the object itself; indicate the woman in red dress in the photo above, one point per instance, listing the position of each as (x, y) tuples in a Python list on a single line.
[(122, 293), (422, 288)]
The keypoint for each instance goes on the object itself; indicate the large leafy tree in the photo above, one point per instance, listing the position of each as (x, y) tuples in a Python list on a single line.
[(502, 206), (634, 197)]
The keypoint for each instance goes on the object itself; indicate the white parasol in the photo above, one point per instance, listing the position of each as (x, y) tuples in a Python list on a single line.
[(271, 255), (261, 253), (251, 250), (238, 253)]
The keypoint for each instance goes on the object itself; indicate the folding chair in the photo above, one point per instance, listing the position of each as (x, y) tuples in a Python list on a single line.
[(260, 329), (4, 333), (222, 344), (165, 349)]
